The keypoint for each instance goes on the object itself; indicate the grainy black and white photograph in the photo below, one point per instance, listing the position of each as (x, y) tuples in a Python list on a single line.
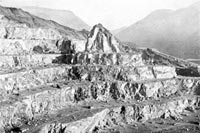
[(99, 66)]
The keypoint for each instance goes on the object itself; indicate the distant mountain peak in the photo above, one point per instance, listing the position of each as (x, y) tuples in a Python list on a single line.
[(174, 32), (159, 14), (101, 40)]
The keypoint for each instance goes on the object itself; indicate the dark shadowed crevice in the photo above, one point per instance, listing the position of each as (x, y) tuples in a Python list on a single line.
[(66, 47), (197, 89), (94, 91), (13, 130), (63, 59), (74, 73), (142, 90), (16, 61), (38, 49), (78, 96), (188, 72), (115, 94)]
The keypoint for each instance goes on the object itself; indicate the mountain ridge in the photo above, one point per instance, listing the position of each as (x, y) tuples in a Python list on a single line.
[(63, 17), (167, 31)]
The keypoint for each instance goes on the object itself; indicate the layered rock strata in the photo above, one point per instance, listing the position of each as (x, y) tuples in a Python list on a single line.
[(50, 83)]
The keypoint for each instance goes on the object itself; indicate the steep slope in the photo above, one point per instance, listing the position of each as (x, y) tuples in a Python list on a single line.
[(13, 17), (63, 17), (172, 32), (101, 40)]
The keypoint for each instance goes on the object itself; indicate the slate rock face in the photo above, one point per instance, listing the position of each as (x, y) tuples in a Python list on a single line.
[(101, 40), (52, 84)]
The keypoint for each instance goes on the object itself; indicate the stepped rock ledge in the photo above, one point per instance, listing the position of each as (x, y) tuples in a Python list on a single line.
[(54, 79)]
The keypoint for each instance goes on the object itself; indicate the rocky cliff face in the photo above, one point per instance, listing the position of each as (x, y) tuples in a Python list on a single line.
[(101, 40), (50, 84)]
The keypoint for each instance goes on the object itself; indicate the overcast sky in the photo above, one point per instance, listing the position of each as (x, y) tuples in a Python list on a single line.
[(111, 13)]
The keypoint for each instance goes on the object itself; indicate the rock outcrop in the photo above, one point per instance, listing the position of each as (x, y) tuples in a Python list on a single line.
[(51, 84), (101, 40)]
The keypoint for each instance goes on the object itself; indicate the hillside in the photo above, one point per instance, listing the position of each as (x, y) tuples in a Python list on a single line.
[(14, 17), (116, 31), (173, 32), (63, 17)]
